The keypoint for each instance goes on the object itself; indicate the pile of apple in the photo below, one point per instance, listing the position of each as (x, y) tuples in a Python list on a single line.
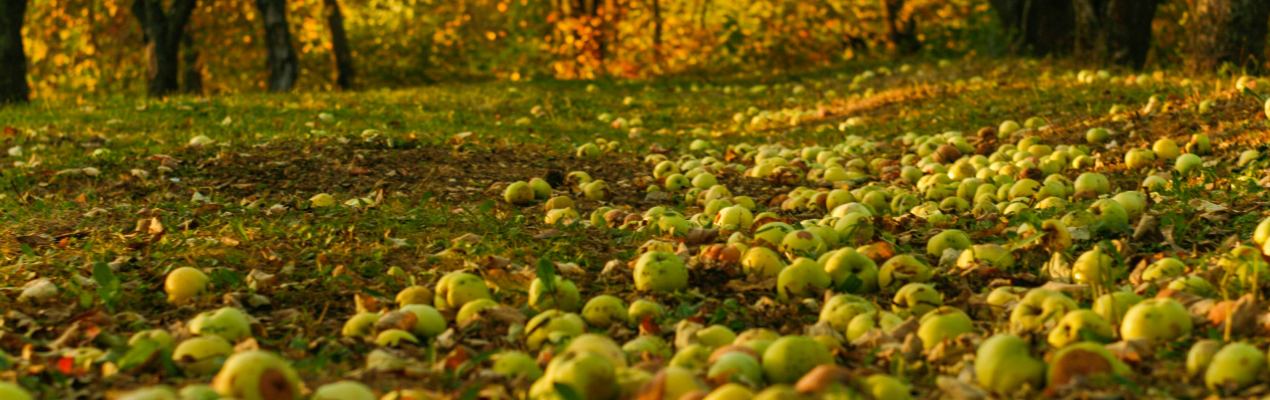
[(999, 263)]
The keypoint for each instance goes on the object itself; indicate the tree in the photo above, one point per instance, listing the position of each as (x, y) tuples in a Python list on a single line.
[(13, 86), (1228, 31), (1112, 31), (163, 31), (1115, 31), (339, 41), (901, 29), (284, 65)]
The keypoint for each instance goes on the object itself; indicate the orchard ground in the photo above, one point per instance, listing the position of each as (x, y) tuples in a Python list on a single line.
[(104, 197)]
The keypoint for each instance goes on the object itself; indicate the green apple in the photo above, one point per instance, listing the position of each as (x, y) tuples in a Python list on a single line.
[(227, 322), (184, 284), (596, 190), (11, 391), (883, 386), (901, 269), (565, 297), (604, 310), (632, 381), (762, 262), (1094, 267), (1133, 202), (457, 288), (359, 325), (802, 243), (1193, 284), (947, 239), (778, 392), (1137, 159), (943, 323), (588, 151), (1080, 326), (414, 294), (473, 309), (516, 365), (565, 216), (542, 189), (1247, 157), (589, 375), (394, 338), (1158, 319), (715, 336), (257, 375), (1200, 356), (693, 356), (1038, 308), (161, 392), (704, 181), (598, 344), (677, 382), (851, 271), (1002, 297), (1237, 365), (1088, 361), (518, 193), (1113, 306), (198, 392), (1187, 163), (730, 391), (855, 227), (736, 366), (1111, 217), (552, 326), (772, 234), (804, 278), (840, 309), (790, 357), (322, 200), (642, 308), (660, 271), (1091, 185), (343, 390), (870, 321), (1004, 364), (558, 203), (916, 299), (1166, 148), (646, 347), (428, 321), (986, 255), (1199, 144), (158, 336), (1097, 135), (734, 218)]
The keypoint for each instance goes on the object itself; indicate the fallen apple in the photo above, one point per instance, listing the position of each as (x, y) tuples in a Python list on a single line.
[(604, 310), (457, 288), (941, 324), (518, 193), (257, 375), (902, 269), (763, 263), (588, 375), (343, 390), (1200, 356), (803, 278), (184, 284), (1003, 364), (1086, 362), (564, 296), (1235, 366), (1158, 319), (552, 326), (414, 294), (516, 365), (660, 271), (227, 322), (840, 309), (1080, 326), (789, 357), (916, 299), (946, 239), (428, 321)]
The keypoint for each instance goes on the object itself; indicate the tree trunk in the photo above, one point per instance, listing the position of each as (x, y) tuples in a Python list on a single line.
[(13, 86), (192, 79), (339, 41), (901, 34), (1228, 31), (283, 64), (163, 30), (657, 29), (1114, 31), (1040, 27)]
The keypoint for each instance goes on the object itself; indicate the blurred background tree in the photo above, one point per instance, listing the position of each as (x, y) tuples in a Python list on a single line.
[(85, 48)]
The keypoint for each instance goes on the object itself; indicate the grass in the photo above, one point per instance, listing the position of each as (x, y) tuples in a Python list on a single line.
[(152, 203)]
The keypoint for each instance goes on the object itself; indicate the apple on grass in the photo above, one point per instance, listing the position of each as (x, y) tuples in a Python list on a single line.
[(803, 278), (1234, 367), (343, 390), (588, 375), (604, 310), (1158, 319), (184, 284), (516, 365), (257, 375), (227, 322), (457, 288), (941, 324), (660, 271), (1004, 365), (851, 271), (790, 357)]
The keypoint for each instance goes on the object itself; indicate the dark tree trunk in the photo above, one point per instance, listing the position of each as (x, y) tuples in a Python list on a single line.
[(1229, 31), (1039, 27), (13, 86), (1114, 31), (657, 29), (901, 30), (339, 41), (192, 81), (163, 31), (283, 64)]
